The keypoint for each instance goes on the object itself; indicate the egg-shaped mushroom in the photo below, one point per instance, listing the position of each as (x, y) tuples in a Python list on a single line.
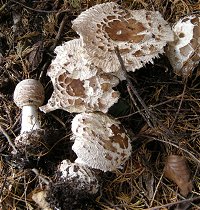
[(184, 52), (29, 95), (140, 35), (100, 141), (79, 86)]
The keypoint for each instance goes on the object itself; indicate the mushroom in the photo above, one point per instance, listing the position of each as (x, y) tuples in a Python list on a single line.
[(80, 177), (71, 58), (184, 52), (29, 95), (140, 35), (74, 185), (100, 142), (78, 85)]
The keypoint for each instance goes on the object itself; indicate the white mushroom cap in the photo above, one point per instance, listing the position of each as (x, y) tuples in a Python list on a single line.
[(100, 142), (79, 176), (71, 57), (78, 85), (184, 52), (29, 92), (76, 95), (139, 34)]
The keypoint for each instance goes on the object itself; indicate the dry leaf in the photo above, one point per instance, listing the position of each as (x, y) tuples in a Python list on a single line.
[(176, 169), (35, 56)]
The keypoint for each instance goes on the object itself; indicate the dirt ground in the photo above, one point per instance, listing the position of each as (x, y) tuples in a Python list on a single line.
[(29, 32)]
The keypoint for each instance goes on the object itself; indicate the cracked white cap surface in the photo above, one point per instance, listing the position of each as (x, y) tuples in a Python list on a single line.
[(75, 95), (184, 52), (78, 85), (71, 58), (139, 34), (100, 141), (80, 176)]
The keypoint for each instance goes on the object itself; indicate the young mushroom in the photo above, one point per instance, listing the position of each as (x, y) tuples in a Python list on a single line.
[(78, 85), (80, 177), (74, 184), (140, 35), (100, 142), (29, 95), (184, 52)]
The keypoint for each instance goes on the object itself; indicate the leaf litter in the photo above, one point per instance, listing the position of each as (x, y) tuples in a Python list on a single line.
[(29, 33)]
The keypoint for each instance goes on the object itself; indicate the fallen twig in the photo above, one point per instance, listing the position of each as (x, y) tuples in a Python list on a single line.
[(130, 88), (180, 104), (150, 119), (40, 176), (9, 140), (38, 10), (46, 65), (174, 203)]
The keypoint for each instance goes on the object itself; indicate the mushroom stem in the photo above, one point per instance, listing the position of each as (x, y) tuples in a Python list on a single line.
[(30, 119)]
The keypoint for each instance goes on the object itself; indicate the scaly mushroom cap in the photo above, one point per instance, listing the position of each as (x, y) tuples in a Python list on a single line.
[(78, 177), (29, 92), (100, 142), (184, 52), (78, 84), (139, 34), (76, 95), (72, 58)]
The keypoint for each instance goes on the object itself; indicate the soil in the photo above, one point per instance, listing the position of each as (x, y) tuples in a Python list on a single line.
[(164, 122)]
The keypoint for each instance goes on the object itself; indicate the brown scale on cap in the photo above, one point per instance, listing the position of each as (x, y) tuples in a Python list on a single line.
[(134, 32), (74, 87), (100, 141), (184, 52), (74, 95), (123, 30), (78, 85)]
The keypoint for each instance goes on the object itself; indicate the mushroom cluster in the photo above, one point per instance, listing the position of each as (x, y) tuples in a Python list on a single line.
[(86, 69), (84, 73), (184, 51)]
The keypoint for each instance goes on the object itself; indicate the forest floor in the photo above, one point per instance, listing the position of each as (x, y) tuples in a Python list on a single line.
[(29, 32)]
